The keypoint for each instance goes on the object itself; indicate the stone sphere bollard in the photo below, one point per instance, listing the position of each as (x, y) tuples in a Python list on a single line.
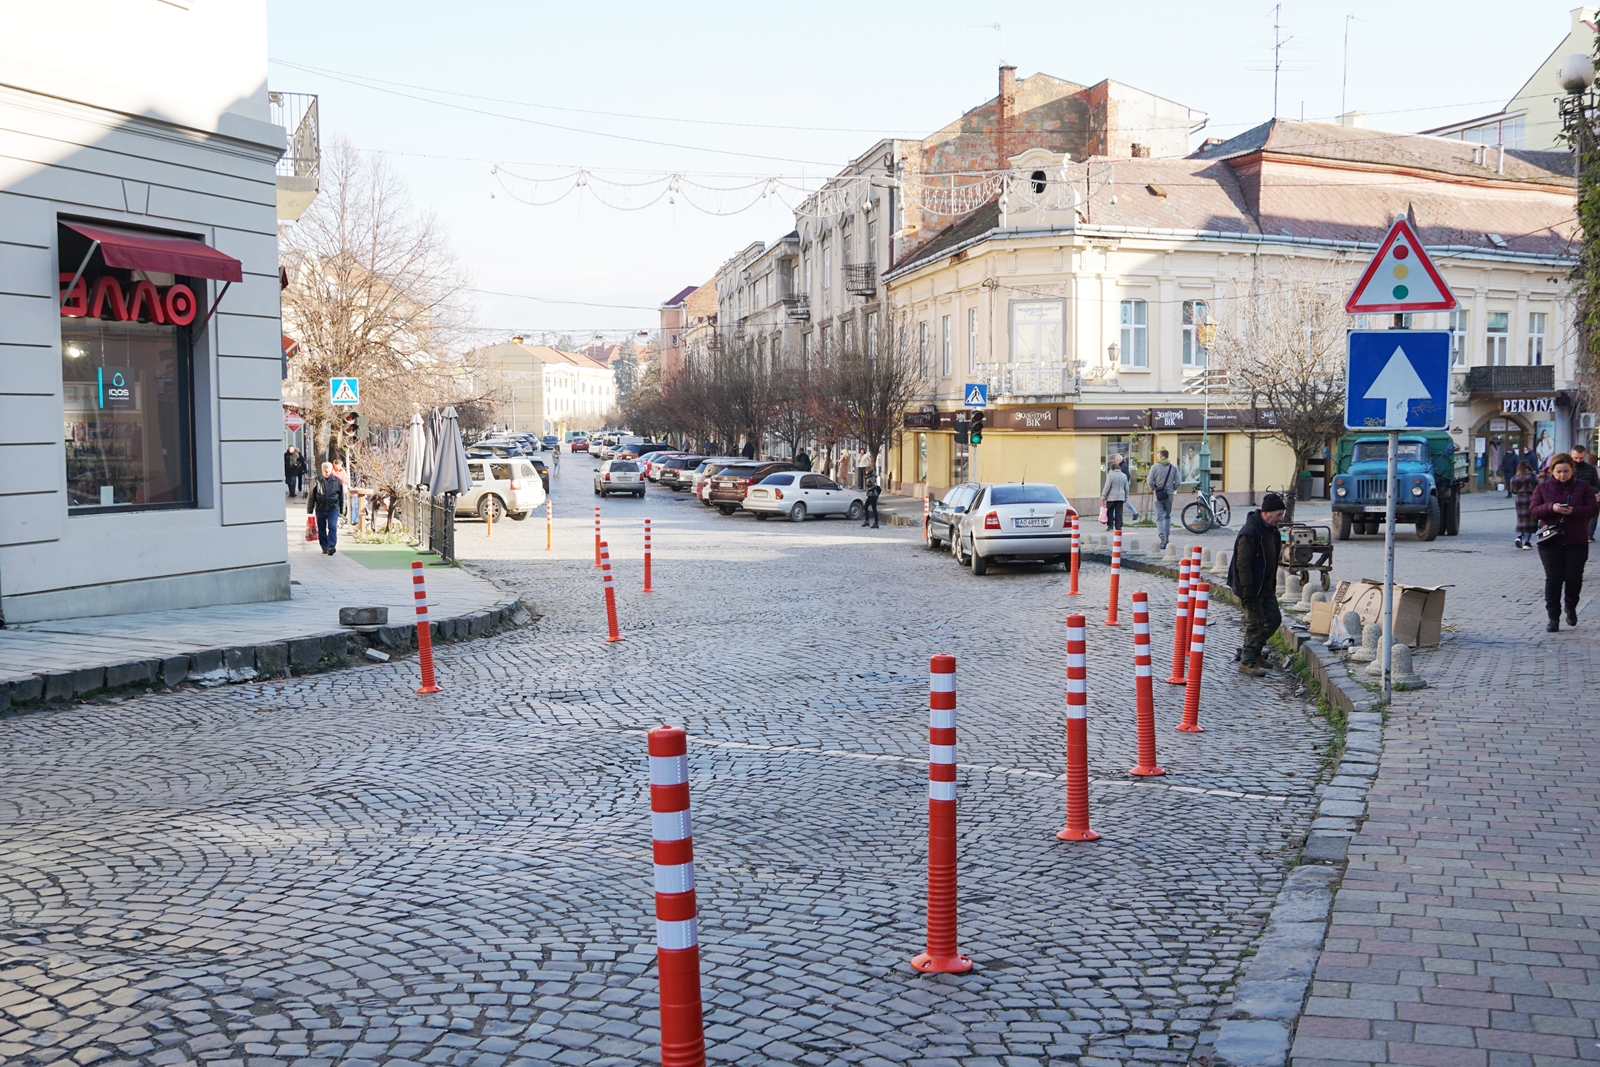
[(1283, 576), (1370, 638), (1130, 544), (1400, 670), (1171, 554), (1220, 568), (1306, 598), (1291, 590), (1205, 558)]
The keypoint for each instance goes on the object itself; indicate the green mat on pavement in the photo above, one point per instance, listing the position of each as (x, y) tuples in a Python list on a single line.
[(384, 557)]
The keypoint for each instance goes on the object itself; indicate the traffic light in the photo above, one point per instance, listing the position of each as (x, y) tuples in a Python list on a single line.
[(975, 428), (961, 430), (352, 425)]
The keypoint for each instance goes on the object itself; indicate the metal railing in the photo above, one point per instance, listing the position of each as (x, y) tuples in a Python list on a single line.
[(861, 279), (1026, 380), (297, 113), (1495, 380)]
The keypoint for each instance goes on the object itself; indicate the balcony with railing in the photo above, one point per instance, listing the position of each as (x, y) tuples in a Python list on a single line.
[(861, 279), (1510, 381), (1030, 383), (300, 168)]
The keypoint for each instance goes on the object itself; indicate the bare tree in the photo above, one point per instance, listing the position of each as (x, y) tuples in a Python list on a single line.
[(1284, 347), (373, 293), (874, 383)]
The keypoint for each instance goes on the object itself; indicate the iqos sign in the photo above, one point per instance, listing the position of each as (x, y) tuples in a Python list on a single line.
[(115, 386), (142, 302)]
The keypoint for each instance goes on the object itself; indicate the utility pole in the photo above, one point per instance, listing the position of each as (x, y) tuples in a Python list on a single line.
[(1344, 83), (1277, 53)]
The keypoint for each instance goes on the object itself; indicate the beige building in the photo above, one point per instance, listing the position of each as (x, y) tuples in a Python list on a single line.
[(688, 317), (548, 391), (1083, 314)]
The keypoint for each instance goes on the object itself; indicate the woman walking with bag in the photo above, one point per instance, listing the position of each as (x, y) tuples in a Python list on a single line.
[(1522, 485), (1562, 506)]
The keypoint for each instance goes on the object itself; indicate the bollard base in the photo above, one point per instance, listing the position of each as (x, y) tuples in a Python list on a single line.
[(1147, 772), (941, 965), (612, 640), (1111, 622), (1070, 834), (1190, 729), (430, 689), (1175, 680)]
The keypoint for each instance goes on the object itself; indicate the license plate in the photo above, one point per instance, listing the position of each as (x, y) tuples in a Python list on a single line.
[(1376, 509), (759, 492), (1030, 522)]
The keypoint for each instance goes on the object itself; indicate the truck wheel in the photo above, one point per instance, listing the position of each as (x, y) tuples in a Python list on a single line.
[(1452, 517), (1341, 525), (1428, 529)]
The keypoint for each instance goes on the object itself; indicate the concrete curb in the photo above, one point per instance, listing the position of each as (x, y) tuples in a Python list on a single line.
[(311, 654), (1273, 984)]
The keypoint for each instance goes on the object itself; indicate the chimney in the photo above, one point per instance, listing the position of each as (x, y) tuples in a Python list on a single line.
[(1007, 116)]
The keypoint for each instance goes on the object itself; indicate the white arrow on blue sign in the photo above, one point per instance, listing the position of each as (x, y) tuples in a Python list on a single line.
[(1397, 380), (344, 391), (977, 395)]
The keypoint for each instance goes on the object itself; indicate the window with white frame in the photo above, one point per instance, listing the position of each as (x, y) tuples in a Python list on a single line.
[(848, 329), (944, 344), (1135, 334), (1497, 339), (922, 349), (1036, 331), (827, 264), (1194, 317), (872, 335), (1536, 333), (972, 339), (1460, 323)]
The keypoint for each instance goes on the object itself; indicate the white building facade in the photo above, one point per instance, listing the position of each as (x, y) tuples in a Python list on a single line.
[(140, 420)]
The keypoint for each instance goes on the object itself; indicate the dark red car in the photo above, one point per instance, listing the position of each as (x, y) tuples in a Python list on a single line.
[(728, 485)]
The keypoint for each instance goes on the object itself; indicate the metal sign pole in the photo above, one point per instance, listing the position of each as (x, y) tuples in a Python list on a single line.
[(1388, 562)]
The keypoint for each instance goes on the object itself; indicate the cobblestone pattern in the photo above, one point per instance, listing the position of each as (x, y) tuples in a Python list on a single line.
[(333, 869)]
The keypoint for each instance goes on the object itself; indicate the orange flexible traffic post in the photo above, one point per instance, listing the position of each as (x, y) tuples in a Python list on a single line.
[(549, 526), (1144, 713), (1073, 590), (1197, 655), (613, 635), (597, 535), (1180, 631), (1116, 578), (488, 520), (419, 594), (942, 956), (683, 1039), (1077, 828), (647, 588)]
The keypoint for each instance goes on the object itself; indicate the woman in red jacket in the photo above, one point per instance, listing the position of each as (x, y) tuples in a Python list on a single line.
[(1562, 506)]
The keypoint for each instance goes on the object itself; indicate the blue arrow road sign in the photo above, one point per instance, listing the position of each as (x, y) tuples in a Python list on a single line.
[(977, 395), (344, 391), (1397, 380)]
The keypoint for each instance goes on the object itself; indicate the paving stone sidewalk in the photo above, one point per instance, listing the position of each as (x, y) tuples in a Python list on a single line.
[(73, 650)]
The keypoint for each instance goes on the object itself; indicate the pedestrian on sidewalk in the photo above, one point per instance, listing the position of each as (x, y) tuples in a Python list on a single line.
[(1163, 482), (294, 469), (1522, 487), (1584, 470), (873, 492), (1253, 577), (1114, 493), (1508, 466), (326, 501), (1563, 506), (803, 460)]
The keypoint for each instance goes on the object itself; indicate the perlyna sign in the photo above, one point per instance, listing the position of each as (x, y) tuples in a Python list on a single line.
[(1528, 405), (172, 305)]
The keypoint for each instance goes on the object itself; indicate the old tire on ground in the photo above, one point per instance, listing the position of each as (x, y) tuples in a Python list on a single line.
[(1342, 524), (1428, 529)]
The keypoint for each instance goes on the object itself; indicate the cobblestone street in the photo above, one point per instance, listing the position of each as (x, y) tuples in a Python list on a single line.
[(332, 869)]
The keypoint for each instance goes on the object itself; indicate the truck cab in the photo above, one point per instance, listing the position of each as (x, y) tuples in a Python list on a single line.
[(1430, 474)]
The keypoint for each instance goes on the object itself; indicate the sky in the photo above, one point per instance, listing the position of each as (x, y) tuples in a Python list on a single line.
[(740, 95)]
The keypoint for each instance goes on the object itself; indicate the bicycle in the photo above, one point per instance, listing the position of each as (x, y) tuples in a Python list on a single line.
[(1211, 509)]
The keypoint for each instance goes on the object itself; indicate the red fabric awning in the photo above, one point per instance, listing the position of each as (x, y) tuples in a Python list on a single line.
[(132, 250)]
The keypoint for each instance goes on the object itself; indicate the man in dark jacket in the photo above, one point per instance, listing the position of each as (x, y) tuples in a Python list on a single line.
[(326, 501), (803, 460), (1584, 470), (294, 469), (870, 516), (1253, 577)]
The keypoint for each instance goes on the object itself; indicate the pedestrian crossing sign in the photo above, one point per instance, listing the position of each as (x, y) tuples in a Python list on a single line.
[(977, 395), (344, 391)]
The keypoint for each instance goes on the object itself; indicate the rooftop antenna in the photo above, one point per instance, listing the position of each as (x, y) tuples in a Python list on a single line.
[(999, 37), (1344, 84)]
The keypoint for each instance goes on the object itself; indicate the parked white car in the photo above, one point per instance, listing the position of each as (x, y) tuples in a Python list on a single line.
[(619, 476), (798, 495), (1015, 521), (508, 486), (701, 486)]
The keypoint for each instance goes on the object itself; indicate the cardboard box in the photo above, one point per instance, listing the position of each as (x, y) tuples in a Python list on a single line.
[(1418, 609), (1321, 617)]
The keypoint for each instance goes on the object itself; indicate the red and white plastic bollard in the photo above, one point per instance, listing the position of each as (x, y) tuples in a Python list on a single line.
[(942, 956), (1073, 589), (1197, 654), (1077, 828), (614, 634), (1180, 629), (647, 588), (419, 594), (1144, 712), (597, 535), (549, 525), (683, 1040), (1116, 578)]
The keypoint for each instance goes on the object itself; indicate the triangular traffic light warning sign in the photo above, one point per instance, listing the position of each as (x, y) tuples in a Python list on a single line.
[(1400, 277)]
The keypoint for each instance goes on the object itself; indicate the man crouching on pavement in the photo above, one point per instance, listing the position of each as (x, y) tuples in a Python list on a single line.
[(1253, 577)]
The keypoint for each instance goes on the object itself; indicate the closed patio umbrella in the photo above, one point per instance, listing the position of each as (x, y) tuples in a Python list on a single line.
[(416, 449), (451, 474)]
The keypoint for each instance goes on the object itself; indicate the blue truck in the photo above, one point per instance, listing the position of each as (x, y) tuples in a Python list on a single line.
[(1430, 471)]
